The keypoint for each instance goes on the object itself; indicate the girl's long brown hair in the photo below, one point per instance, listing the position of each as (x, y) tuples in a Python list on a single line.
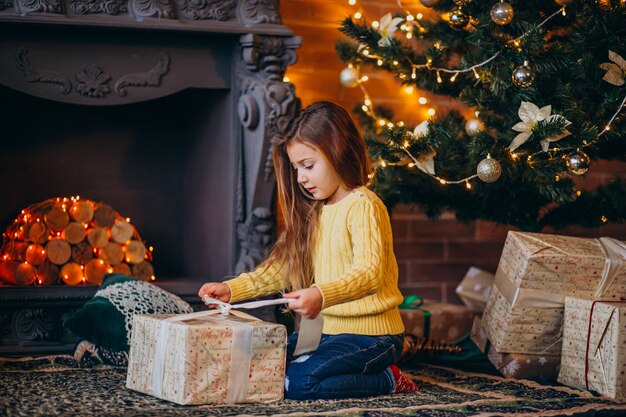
[(330, 130)]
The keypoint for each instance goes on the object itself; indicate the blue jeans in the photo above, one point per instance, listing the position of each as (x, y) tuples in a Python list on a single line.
[(343, 366)]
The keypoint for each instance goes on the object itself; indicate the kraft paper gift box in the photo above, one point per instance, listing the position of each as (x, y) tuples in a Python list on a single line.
[(524, 313), (594, 347), (516, 365), (436, 321), (475, 288), (207, 359)]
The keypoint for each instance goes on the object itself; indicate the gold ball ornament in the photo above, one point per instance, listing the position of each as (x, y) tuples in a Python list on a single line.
[(458, 19), (429, 3), (349, 77), (474, 126), (489, 170), (523, 76), (577, 163), (502, 13)]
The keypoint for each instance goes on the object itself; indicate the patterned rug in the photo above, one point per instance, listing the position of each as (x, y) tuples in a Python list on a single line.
[(58, 386)]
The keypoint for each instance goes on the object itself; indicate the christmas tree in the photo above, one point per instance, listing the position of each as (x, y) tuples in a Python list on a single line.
[(546, 82)]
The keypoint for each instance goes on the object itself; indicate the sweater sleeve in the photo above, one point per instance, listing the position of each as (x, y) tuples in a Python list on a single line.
[(266, 279), (366, 275)]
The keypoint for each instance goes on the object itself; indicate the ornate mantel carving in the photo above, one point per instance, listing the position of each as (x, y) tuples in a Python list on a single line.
[(242, 12), (266, 106)]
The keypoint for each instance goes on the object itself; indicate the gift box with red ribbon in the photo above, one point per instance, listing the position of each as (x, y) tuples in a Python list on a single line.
[(594, 347), (524, 313)]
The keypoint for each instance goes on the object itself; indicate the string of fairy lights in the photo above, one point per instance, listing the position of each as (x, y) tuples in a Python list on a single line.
[(522, 76)]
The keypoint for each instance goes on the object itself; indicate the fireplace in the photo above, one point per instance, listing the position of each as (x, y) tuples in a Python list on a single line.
[(163, 110)]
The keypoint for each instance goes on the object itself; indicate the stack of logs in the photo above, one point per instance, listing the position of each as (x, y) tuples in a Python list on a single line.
[(71, 241)]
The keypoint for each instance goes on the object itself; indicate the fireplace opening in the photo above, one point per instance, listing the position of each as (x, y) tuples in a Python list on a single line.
[(168, 164)]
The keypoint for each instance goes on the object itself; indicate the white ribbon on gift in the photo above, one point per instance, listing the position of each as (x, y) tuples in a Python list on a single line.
[(615, 262), (241, 352)]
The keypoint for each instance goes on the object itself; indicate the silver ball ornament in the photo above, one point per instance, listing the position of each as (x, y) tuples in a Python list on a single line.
[(349, 77), (502, 13), (489, 170), (523, 76), (474, 126), (577, 162), (458, 19), (429, 3)]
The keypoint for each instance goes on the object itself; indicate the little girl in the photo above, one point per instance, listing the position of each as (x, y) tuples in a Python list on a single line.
[(335, 255)]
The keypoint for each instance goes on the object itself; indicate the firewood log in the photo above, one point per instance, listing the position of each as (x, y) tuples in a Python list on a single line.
[(122, 268), (47, 273), (58, 251), (95, 271), (72, 273), (25, 274), (143, 271), (98, 237), (35, 254), (121, 231), (135, 252), (104, 216), (74, 233), (56, 219), (112, 253), (82, 253), (36, 232), (82, 212)]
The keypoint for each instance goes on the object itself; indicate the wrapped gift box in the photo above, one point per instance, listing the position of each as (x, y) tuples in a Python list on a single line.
[(437, 321), (475, 288), (594, 354), (207, 359), (516, 365), (524, 313)]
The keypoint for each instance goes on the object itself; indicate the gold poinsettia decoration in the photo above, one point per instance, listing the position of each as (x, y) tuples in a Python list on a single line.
[(531, 115), (387, 27), (615, 70), (426, 162)]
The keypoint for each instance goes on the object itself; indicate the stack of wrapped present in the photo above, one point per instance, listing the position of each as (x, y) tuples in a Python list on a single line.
[(526, 309), (207, 358)]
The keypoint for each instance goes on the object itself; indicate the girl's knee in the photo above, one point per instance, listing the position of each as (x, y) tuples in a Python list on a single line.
[(301, 388)]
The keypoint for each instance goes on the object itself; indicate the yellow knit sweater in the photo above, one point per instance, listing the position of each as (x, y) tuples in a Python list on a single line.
[(354, 265)]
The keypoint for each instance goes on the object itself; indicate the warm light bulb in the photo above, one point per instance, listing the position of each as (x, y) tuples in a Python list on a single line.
[(368, 102), (439, 80), (453, 78), (476, 73), (351, 2), (420, 16), (413, 74), (364, 78), (381, 122), (408, 90), (604, 219), (358, 15), (442, 181), (375, 24), (410, 17), (379, 62), (422, 100), (285, 79), (468, 185), (409, 35), (366, 52), (431, 112), (578, 193), (364, 108)]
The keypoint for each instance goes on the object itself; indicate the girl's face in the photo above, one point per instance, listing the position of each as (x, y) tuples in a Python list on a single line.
[(314, 173)]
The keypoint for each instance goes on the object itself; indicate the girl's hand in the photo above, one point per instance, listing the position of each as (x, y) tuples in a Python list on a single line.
[(217, 290), (306, 302)]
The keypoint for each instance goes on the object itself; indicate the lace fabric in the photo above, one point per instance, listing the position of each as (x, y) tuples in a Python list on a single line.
[(139, 297)]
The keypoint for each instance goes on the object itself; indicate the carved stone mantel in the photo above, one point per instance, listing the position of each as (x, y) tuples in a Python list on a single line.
[(103, 53)]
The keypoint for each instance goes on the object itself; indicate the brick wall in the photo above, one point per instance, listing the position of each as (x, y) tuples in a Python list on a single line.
[(433, 255)]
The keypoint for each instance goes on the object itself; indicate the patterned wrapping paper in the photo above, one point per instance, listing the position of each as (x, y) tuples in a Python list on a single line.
[(197, 363), (524, 313), (601, 350), (447, 322), (517, 365), (475, 288)]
